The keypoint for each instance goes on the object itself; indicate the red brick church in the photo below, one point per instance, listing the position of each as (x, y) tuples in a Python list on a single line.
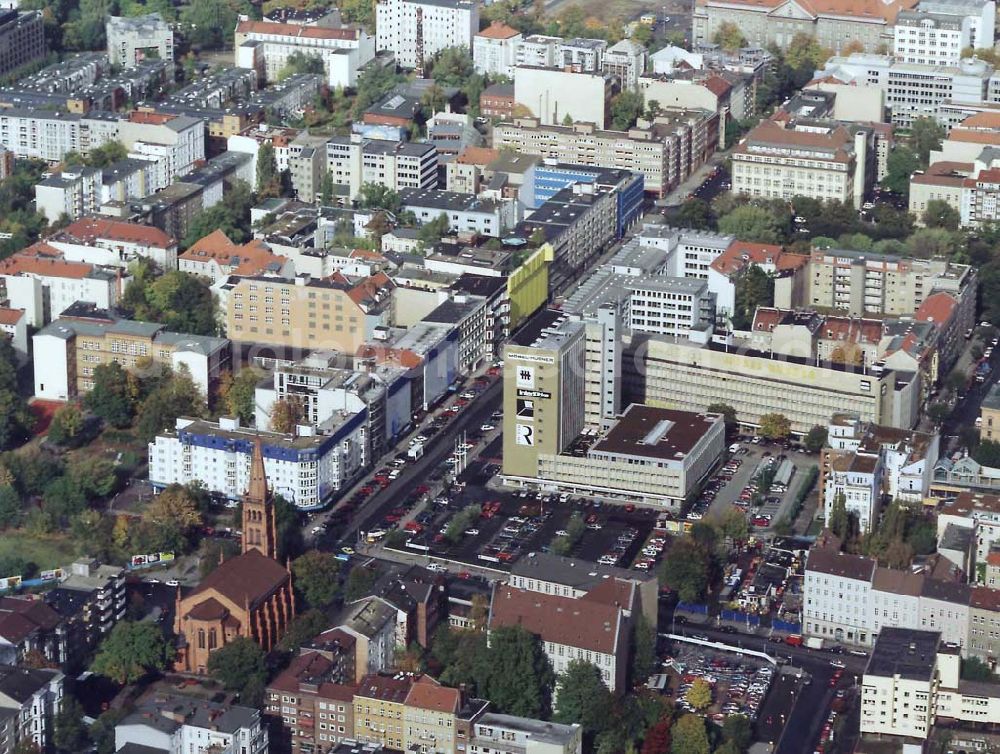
[(249, 595)]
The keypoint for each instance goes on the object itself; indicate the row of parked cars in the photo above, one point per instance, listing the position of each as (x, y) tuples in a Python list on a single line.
[(616, 554), (511, 540), (739, 687)]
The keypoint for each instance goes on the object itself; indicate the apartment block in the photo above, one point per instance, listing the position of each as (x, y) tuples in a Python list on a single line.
[(416, 30), (135, 39), (494, 50), (626, 61), (930, 39), (266, 46), (465, 213), (354, 161), (836, 596), (30, 699), (332, 314), (557, 95), (314, 698), (980, 513), (863, 284), (69, 194), (665, 151), (823, 161), (22, 39), (216, 259), (41, 282), (67, 351), (306, 468)]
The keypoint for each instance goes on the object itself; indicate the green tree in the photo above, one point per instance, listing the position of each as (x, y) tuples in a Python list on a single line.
[(688, 736), (452, 66), (729, 37), (300, 62), (974, 669), (699, 695), (360, 581), (67, 426), (804, 53), (176, 395), (644, 659), (754, 288), (107, 154), (938, 412), (900, 165), (839, 521), (376, 196), (10, 506), (210, 22), (775, 426), (239, 666), (940, 214), (326, 189), (748, 222), (231, 216), (737, 730), (112, 396), (172, 516), (685, 570), (358, 12), (626, 107), (727, 411), (69, 734), (583, 697), (927, 243), (268, 177), (926, 135), (182, 302), (102, 732), (131, 651), (815, 439), (240, 393), (517, 678), (317, 577), (433, 231), (695, 213), (64, 499)]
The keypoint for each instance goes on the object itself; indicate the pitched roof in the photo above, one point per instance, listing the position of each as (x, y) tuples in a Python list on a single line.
[(588, 625), (944, 173), (898, 582), (740, 254), (498, 30), (874, 10), (29, 263), (93, 228), (249, 259), (937, 308), (829, 561), (315, 669), (296, 30), (985, 119), (20, 617), (477, 156), (246, 578), (428, 694), (10, 316), (852, 329), (20, 683), (386, 688)]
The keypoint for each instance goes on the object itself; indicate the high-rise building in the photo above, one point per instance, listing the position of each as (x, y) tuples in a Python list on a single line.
[(416, 30)]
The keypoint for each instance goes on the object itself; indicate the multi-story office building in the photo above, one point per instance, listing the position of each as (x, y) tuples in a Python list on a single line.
[(67, 351), (580, 54), (416, 30), (537, 50), (354, 161), (836, 596), (305, 468), (266, 46), (30, 699), (558, 95), (864, 284), (833, 24), (494, 50), (930, 39), (135, 39), (307, 168), (333, 314), (665, 151), (505, 734), (22, 39), (822, 161), (670, 306)]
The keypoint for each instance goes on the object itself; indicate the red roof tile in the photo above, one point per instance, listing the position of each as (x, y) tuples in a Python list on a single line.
[(428, 694), (498, 30), (296, 30), (92, 228), (249, 577), (937, 308), (10, 316)]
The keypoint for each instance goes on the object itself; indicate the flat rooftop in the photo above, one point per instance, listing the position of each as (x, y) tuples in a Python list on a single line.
[(905, 652), (653, 432)]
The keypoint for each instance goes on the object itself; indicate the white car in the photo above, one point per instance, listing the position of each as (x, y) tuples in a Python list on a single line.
[(487, 428), (472, 532), (317, 529), (173, 582), (436, 567), (562, 533)]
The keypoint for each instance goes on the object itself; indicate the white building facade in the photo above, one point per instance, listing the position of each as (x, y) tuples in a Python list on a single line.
[(416, 30)]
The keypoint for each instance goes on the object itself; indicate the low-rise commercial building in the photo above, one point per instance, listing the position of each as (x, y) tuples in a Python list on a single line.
[(505, 734)]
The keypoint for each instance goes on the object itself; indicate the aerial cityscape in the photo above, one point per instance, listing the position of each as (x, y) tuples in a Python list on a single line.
[(468, 377)]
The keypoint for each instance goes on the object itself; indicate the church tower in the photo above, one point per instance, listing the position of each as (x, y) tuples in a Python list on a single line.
[(258, 509)]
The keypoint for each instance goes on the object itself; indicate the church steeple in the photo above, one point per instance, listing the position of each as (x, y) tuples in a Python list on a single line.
[(258, 510)]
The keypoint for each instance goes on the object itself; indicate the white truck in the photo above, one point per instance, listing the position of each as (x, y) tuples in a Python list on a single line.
[(814, 642), (415, 451)]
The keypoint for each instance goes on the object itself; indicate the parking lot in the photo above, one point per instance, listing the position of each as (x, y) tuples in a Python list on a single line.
[(738, 482)]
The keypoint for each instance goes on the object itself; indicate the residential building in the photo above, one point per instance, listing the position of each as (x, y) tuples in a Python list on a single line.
[(175, 142), (378, 710), (14, 327), (69, 194), (416, 30), (626, 61), (43, 284), (944, 608), (497, 101), (335, 313), (22, 39), (594, 628), (465, 213), (30, 699), (930, 39), (716, 91), (984, 623), (980, 512), (989, 415), (114, 243), (306, 468), (494, 50), (863, 283), (135, 39), (913, 680), (49, 135), (831, 23), (782, 160), (69, 349), (895, 599), (29, 628), (665, 151), (216, 258), (314, 702), (90, 600), (354, 161), (266, 46), (168, 721), (505, 734), (307, 169), (538, 50), (943, 181), (856, 480), (557, 95), (247, 596), (836, 596)]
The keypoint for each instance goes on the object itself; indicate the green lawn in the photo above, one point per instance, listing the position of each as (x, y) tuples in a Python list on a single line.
[(45, 552)]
